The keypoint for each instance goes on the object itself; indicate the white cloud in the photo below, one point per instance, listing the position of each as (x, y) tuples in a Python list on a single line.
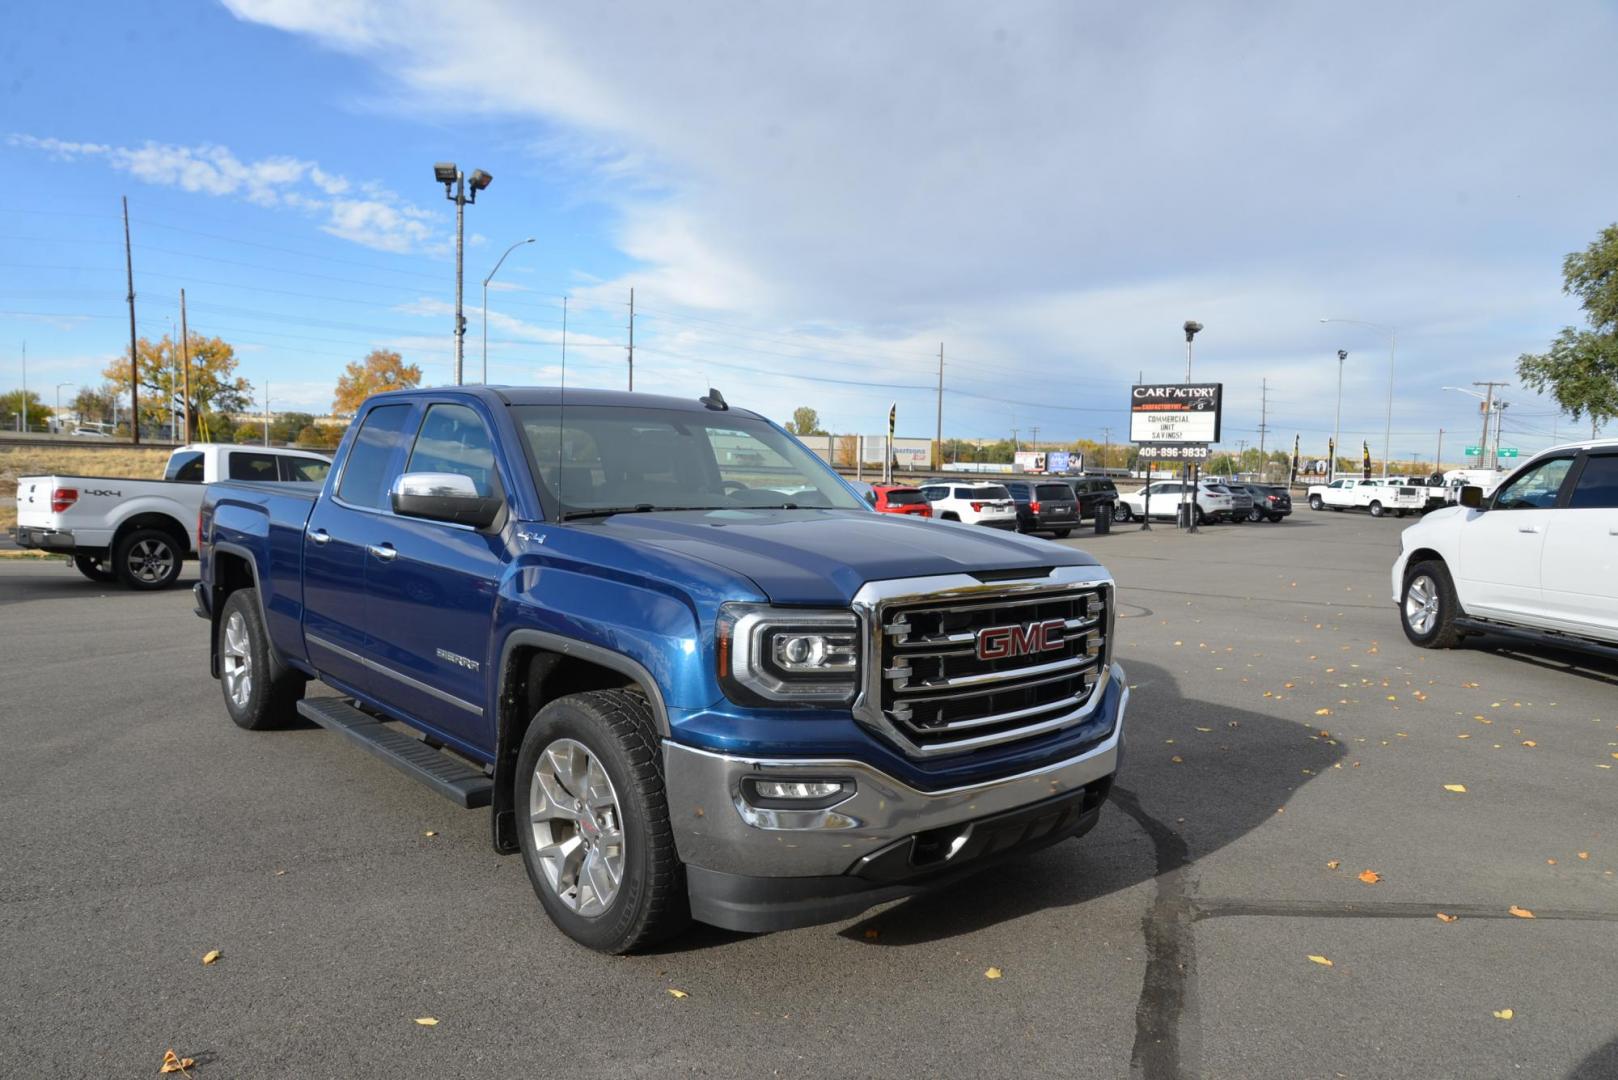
[(1054, 187), (380, 220)]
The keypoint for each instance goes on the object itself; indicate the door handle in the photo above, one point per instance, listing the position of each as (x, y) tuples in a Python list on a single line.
[(386, 552), (320, 536), (1528, 528)]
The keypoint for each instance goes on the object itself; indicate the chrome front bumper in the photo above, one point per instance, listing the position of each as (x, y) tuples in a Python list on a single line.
[(716, 828)]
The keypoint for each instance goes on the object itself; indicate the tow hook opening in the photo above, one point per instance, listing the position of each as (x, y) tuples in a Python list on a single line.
[(937, 846)]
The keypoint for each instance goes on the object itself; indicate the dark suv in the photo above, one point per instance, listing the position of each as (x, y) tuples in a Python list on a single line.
[(1269, 503), (1044, 506), (1092, 491)]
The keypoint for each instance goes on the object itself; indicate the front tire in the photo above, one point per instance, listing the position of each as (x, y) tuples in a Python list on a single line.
[(1123, 513), (593, 822), (93, 568), (1316, 502), (1428, 607), (148, 559), (256, 696), (1376, 509), (1255, 515)]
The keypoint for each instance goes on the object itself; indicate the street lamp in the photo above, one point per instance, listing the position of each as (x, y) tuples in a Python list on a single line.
[(1387, 431), (1192, 329), (455, 185), (486, 281)]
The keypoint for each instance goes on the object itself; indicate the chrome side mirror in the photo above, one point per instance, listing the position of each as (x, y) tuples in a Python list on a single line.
[(1472, 497), (447, 497)]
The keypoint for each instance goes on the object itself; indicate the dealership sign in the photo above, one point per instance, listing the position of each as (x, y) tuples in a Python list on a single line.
[(1175, 413)]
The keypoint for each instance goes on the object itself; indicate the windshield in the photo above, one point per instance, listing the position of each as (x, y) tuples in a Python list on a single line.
[(615, 459)]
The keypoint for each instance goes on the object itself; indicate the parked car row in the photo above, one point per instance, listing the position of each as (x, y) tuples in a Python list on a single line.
[(1386, 495)]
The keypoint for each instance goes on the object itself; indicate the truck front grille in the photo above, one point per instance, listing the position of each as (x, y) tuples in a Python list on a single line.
[(942, 685)]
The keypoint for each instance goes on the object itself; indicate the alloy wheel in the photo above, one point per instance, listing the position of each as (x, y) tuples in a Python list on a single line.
[(578, 827), (236, 661), (1421, 604), (150, 561)]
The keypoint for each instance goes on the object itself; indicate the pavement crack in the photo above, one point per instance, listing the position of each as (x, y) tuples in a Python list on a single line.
[(1165, 1047)]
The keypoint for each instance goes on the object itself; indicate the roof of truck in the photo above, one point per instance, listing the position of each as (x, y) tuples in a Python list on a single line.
[(555, 395)]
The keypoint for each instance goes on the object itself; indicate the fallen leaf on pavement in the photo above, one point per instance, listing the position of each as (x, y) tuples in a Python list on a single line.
[(174, 1063), (1176, 759), (992, 973), (677, 993), (1503, 1014), (1520, 912), (1321, 960), (427, 1021), (1530, 743), (1334, 864), (430, 832), (1584, 854), (1456, 787), (1370, 877), (872, 934), (210, 956), (1442, 917), (1327, 712)]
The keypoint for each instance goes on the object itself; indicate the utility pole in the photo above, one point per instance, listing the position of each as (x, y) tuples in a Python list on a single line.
[(632, 337), (1033, 437), (564, 333), (22, 424), (938, 429), (1488, 407), (1438, 458), (185, 369), (1263, 425), (267, 408), (1500, 408), (1106, 452), (134, 364)]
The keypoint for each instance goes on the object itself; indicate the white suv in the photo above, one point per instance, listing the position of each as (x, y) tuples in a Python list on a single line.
[(972, 504), (1538, 558), (1214, 502)]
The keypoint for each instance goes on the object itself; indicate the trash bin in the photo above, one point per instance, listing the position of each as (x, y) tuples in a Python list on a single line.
[(1103, 518), (1182, 516)]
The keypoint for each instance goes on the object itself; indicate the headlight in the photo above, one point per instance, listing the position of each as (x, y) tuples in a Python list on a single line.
[(779, 654)]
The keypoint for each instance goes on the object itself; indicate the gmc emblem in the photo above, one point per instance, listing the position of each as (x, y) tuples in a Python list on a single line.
[(1004, 642)]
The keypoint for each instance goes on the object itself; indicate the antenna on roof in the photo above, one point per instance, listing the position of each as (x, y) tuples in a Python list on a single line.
[(715, 400)]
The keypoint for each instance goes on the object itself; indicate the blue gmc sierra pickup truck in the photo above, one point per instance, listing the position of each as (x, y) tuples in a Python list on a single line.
[(690, 672)]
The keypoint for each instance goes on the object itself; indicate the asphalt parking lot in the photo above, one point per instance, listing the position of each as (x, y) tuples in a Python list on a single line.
[(1284, 738)]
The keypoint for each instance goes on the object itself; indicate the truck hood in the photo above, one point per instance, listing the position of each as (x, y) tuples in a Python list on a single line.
[(822, 557)]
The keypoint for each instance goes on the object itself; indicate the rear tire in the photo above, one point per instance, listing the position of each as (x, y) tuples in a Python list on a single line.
[(1274, 518), (1062, 534), (257, 697), (1428, 606), (585, 827), (1376, 509), (148, 559), (93, 568), (1255, 514)]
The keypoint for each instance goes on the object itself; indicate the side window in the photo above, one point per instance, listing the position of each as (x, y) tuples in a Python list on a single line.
[(1598, 484), (1535, 489), (365, 475), (304, 469), (248, 465), (454, 440), (186, 467), (933, 494)]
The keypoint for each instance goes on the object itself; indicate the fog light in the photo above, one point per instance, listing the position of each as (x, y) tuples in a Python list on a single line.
[(796, 789), (818, 794)]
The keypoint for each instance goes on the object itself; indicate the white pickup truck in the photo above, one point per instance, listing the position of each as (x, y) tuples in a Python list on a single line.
[(139, 531), (1378, 496), (1536, 559)]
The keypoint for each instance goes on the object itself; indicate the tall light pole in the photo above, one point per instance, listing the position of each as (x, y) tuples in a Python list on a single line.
[(1192, 329), (1337, 425), (1387, 430), (486, 281), (59, 402), (1188, 490), (455, 186)]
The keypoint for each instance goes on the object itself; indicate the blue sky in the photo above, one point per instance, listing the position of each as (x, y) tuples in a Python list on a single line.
[(813, 196)]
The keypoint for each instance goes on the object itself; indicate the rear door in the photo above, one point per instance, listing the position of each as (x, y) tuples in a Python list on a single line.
[(430, 599), (1501, 549), (1580, 565), (341, 531)]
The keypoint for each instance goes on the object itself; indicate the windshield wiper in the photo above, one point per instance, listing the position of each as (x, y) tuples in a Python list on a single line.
[(638, 508)]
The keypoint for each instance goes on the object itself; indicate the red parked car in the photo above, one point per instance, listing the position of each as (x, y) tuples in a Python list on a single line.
[(894, 499)]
